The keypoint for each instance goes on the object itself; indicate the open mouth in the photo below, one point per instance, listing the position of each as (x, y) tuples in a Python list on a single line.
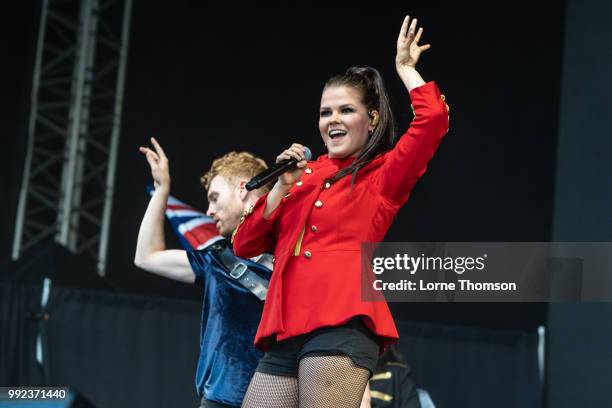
[(336, 133)]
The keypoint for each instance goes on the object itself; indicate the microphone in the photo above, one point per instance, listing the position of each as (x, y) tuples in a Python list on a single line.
[(274, 171)]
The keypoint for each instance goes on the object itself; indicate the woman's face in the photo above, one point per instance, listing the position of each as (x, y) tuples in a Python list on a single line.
[(343, 122)]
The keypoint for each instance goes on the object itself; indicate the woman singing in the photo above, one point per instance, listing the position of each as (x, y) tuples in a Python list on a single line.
[(321, 340)]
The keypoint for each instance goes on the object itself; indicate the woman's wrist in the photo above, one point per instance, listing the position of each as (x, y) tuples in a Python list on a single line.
[(410, 76), (405, 67)]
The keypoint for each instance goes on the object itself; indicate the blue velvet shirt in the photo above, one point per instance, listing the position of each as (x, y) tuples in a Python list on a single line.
[(230, 315)]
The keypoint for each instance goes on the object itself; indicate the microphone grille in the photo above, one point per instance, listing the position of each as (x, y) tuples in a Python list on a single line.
[(307, 154)]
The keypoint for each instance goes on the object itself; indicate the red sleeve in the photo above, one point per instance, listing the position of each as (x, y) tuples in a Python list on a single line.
[(407, 161), (255, 234)]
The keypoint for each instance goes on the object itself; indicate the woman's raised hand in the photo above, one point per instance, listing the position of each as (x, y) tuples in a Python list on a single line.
[(408, 48)]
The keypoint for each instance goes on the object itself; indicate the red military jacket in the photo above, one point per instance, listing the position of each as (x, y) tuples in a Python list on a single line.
[(317, 230)]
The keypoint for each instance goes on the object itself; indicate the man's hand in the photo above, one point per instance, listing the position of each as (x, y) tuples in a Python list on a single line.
[(158, 161), (151, 253)]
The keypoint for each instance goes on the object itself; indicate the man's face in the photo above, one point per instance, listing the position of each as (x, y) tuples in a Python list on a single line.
[(224, 204)]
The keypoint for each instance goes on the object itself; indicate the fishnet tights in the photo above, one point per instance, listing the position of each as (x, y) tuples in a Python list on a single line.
[(323, 382), (271, 391)]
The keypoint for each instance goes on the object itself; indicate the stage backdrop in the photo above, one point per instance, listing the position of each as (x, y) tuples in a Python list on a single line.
[(580, 352), (208, 80)]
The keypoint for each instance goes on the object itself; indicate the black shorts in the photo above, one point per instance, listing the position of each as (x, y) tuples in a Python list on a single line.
[(352, 339)]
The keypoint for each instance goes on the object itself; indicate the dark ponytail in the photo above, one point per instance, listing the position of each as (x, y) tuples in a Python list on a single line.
[(368, 82)]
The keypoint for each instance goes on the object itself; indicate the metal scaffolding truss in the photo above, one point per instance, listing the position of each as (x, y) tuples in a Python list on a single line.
[(73, 133)]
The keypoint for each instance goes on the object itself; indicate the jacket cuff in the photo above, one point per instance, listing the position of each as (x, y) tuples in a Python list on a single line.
[(429, 89), (422, 97)]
